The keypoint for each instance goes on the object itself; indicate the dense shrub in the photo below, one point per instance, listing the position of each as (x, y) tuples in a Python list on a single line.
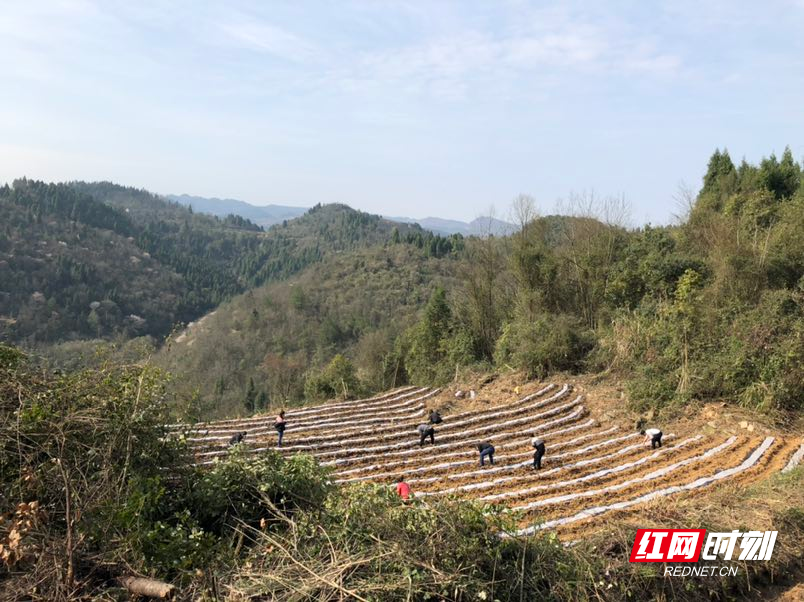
[(112, 488), (386, 550), (337, 380), (547, 344)]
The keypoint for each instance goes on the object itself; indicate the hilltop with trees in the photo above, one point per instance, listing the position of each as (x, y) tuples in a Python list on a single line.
[(103, 261), (709, 309)]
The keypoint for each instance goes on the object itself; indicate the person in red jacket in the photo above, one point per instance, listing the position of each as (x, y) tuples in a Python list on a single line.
[(402, 488)]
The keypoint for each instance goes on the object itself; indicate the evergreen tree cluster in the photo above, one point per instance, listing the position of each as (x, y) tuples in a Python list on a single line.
[(83, 260)]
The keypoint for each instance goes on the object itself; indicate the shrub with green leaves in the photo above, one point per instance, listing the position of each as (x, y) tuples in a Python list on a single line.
[(547, 344)]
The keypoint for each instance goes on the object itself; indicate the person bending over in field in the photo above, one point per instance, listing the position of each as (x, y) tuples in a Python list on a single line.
[(538, 445), (402, 488), (435, 417), (486, 451), (426, 430), (652, 436), (237, 438), (279, 424)]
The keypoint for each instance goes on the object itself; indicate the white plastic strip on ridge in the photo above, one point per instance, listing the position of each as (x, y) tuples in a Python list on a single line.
[(387, 451), (514, 467), (590, 477), (665, 470), (473, 461), (795, 460), (398, 392), (749, 462), (529, 477), (462, 454), (414, 441), (304, 442), (507, 435), (312, 416), (395, 422)]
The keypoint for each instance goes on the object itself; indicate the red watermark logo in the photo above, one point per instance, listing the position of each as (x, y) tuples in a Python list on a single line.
[(685, 545), (667, 545)]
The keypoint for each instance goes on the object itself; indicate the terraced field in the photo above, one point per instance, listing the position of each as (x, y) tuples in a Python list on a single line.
[(590, 470)]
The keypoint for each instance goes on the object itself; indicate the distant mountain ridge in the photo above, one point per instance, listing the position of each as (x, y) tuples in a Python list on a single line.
[(480, 226), (268, 215), (264, 216)]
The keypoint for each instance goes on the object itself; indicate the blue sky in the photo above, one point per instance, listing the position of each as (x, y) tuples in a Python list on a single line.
[(399, 107)]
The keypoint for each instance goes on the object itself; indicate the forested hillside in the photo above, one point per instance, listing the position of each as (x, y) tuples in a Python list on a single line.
[(276, 343), (101, 260), (71, 267), (710, 309)]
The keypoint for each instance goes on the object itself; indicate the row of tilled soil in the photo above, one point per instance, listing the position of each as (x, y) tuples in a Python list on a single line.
[(424, 454), (688, 455), (706, 463), (333, 414), (466, 441), (407, 436), (345, 426), (519, 407), (302, 438), (565, 463), (583, 472), (525, 429), (327, 406), (506, 460), (524, 479), (557, 441), (405, 403), (522, 475), (570, 411), (340, 445), (340, 433), (765, 457)]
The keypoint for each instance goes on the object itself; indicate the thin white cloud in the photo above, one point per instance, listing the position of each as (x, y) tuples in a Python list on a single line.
[(477, 60), (260, 36)]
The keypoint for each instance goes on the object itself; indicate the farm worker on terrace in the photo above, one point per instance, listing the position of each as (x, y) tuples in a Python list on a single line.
[(237, 438), (652, 436), (426, 430), (486, 449), (538, 445), (435, 417), (402, 488), (279, 425)]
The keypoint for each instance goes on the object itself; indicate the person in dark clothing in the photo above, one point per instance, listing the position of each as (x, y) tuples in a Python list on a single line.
[(538, 445), (486, 450), (654, 436), (426, 430), (279, 425), (435, 417), (237, 438)]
